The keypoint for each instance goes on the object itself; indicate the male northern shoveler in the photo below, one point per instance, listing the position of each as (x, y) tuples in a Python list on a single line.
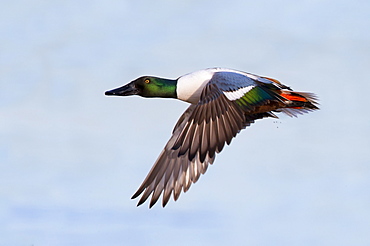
[(223, 102)]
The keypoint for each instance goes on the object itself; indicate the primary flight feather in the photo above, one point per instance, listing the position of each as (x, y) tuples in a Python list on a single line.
[(222, 103)]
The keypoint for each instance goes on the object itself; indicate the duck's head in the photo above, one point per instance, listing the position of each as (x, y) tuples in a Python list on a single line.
[(147, 86)]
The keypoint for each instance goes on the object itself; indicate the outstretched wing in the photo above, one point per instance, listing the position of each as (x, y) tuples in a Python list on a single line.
[(202, 131)]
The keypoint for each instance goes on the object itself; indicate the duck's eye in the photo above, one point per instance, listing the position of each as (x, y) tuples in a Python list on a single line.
[(147, 81)]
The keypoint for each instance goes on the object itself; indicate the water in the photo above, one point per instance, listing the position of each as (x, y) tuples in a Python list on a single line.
[(71, 158)]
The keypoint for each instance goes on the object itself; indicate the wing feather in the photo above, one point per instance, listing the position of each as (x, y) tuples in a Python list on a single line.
[(200, 133)]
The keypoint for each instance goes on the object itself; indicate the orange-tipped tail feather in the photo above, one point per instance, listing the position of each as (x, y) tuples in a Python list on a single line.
[(298, 102)]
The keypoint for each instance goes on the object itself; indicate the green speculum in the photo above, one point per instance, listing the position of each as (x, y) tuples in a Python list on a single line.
[(254, 97)]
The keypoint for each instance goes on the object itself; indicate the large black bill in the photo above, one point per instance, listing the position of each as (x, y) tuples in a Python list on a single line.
[(125, 90)]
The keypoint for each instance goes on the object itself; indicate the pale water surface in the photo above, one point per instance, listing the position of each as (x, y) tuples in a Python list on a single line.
[(70, 158)]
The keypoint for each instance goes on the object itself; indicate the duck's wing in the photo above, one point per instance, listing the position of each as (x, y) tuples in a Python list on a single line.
[(202, 131)]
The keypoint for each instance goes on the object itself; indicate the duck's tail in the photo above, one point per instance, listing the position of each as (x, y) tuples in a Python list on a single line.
[(298, 102)]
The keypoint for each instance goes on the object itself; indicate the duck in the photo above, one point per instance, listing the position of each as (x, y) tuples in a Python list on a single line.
[(222, 103)]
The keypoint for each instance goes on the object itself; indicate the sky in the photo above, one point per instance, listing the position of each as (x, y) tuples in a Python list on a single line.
[(70, 157)]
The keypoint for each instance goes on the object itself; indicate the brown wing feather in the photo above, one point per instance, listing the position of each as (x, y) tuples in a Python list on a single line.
[(201, 132)]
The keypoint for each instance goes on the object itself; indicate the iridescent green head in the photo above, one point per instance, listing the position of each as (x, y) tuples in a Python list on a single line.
[(147, 86)]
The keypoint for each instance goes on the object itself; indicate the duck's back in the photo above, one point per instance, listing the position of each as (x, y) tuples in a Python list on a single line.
[(190, 86)]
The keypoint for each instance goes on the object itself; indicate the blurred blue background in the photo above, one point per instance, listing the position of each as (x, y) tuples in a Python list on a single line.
[(70, 158)]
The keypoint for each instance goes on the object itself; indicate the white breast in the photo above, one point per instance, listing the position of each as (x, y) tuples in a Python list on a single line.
[(190, 86)]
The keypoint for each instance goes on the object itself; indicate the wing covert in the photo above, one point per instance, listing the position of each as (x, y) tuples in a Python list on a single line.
[(201, 132)]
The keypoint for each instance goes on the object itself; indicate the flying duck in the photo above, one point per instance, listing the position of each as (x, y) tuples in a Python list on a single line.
[(222, 103)]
